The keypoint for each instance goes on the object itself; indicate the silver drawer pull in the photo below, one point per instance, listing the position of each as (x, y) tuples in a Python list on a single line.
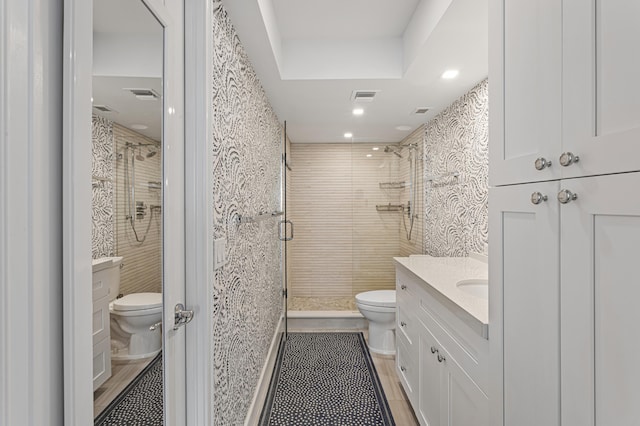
[(441, 358), (402, 323), (403, 287), (402, 368), (433, 350)]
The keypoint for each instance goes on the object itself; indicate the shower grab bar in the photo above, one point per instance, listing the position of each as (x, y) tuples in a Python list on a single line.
[(442, 176), (259, 218), (390, 207)]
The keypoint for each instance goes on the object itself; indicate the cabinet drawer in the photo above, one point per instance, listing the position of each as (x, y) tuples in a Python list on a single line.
[(100, 283), (407, 370), (101, 322), (101, 362), (469, 349), (406, 324)]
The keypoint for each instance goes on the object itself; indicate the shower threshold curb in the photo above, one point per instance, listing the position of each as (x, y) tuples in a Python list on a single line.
[(326, 320)]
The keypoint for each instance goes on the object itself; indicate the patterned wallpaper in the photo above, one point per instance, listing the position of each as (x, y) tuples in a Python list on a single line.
[(456, 208), (247, 140), (102, 170)]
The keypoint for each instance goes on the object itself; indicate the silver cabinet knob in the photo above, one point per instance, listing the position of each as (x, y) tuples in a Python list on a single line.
[(441, 358), (403, 287), (433, 349), (538, 197), (542, 163), (402, 323), (402, 368), (564, 196), (568, 158)]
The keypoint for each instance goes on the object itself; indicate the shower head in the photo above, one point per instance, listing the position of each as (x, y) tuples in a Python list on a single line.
[(392, 150), (151, 153)]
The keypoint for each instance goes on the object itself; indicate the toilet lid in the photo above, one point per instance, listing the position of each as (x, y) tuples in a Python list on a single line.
[(377, 298), (138, 301)]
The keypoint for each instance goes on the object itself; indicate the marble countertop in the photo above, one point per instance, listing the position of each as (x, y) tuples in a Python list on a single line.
[(443, 273)]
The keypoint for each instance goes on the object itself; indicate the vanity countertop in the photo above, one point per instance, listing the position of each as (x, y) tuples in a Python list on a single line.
[(440, 276)]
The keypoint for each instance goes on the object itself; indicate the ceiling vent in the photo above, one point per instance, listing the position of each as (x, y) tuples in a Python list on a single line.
[(104, 108), (364, 95), (421, 110), (144, 94)]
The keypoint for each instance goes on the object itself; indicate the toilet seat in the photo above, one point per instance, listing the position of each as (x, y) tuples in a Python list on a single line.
[(137, 303), (377, 298)]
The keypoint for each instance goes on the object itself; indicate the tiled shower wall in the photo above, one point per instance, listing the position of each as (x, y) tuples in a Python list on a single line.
[(142, 271), (342, 244), (456, 140), (111, 234), (415, 244), (246, 145)]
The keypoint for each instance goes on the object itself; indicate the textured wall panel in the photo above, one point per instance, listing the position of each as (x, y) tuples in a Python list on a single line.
[(456, 208), (102, 170), (246, 144)]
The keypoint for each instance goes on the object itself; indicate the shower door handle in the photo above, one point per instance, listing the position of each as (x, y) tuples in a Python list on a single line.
[(285, 238)]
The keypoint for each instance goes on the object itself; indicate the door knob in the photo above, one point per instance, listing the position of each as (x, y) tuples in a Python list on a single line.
[(181, 316), (565, 196), (537, 198), (568, 158), (542, 163)]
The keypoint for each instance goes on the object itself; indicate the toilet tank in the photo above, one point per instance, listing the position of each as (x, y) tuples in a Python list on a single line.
[(106, 277)]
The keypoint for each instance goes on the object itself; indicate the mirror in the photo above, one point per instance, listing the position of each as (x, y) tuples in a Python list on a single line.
[(127, 129)]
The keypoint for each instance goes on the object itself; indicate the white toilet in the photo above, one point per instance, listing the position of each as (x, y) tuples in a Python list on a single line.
[(379, 307), (132, 316)]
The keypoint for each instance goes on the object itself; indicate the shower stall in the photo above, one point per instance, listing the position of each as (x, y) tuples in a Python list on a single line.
[(355, 206)]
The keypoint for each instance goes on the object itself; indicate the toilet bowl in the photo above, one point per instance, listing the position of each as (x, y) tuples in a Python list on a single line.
[(379, 308), (131, 319)]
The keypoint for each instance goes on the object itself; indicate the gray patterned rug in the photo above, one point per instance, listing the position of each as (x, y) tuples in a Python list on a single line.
[(325, 379), (140, 403)]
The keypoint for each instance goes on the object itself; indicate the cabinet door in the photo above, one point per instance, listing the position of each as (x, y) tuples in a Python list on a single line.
[(601, 105), (430, 378), (525, 61), (600, 294), (466, 403), (524, 305)]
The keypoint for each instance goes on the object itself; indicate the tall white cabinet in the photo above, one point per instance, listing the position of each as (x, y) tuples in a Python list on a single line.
[(564, 236)]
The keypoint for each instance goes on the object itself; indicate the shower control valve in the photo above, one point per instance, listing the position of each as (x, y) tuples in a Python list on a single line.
[(141, 210)]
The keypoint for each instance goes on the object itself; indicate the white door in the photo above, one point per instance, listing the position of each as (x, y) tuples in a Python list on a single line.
[(466, 403), (601, 97), (78, 52), (525, 60), (524, 300), (432, 403), (600, 289)]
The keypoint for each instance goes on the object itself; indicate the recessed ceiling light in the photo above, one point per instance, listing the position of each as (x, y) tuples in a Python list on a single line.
[(403, 128), (139, 127), (449, 74), (358, 111), (369, 155), (348, 135), (375, 148)]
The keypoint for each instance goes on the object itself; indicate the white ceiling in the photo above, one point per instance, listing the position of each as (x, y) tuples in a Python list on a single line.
[(311, 55), (127, 53)]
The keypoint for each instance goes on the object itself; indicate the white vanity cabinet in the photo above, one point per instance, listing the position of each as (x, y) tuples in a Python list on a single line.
[(102, 272), (442, 363)]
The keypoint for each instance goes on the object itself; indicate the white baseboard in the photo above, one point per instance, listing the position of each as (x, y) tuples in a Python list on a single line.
[(259, 396)]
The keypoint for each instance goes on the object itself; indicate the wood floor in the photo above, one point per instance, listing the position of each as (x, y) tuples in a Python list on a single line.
[(400, 406), (121, 375)]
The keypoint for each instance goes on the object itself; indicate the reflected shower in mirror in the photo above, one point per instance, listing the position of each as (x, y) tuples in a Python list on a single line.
[(127, 130)]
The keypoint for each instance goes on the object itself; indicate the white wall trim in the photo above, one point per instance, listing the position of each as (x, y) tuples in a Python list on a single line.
[(199, 210), (31, 212), (262, 387), (76, 192)]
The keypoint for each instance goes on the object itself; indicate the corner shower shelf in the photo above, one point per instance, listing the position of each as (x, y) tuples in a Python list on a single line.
[(393, 185)]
